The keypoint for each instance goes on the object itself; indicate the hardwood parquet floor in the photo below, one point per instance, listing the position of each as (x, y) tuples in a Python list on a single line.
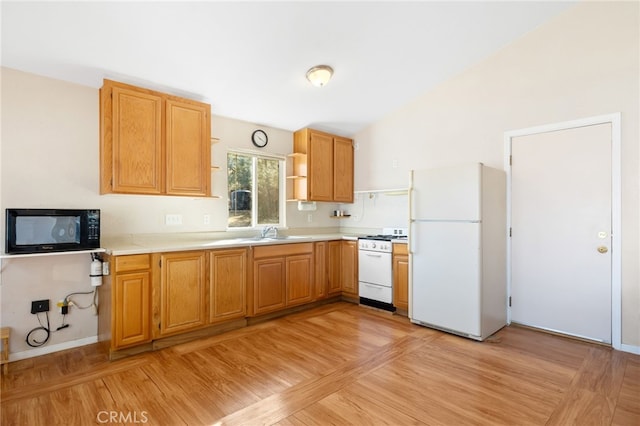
[(337, 364)]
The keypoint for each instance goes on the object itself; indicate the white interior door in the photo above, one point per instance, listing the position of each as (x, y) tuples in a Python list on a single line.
[(561, 231)]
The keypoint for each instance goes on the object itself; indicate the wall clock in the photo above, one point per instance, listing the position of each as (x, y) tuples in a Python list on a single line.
[(259, 138)]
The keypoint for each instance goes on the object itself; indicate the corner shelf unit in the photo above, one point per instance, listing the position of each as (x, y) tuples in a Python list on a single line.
[(215, 168), (298, 177)]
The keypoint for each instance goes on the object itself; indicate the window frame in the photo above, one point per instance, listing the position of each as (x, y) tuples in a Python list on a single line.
[(282, 207)]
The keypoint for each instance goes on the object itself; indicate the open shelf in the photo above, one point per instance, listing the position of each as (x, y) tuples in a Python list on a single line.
[(55, 253)]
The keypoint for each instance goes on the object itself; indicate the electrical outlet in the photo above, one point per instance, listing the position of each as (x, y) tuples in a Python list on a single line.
[(173, 219), (206, 219), (310, 217), (38, 306)]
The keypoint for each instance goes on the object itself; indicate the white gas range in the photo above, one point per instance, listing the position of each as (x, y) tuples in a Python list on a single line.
[(375, 274)]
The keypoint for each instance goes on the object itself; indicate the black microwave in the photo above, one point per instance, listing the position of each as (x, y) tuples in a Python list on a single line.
[(51, 230)]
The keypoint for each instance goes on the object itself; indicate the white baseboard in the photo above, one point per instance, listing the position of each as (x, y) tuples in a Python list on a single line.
[(53, 348), (630, 348)]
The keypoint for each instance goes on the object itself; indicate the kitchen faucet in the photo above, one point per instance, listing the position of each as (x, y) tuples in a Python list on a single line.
[(267, 229)]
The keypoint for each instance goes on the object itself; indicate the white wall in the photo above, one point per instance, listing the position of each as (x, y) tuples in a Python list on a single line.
[(583, 63)]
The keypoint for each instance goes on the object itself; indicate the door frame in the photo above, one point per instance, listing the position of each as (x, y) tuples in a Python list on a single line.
[(616, 208)]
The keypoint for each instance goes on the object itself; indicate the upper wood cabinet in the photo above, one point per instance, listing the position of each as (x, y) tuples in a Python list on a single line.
[(188, 136), (342, 170), (153, 143), (322, 167)]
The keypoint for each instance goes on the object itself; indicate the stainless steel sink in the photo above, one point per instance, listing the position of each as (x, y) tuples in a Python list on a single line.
[(284, 237), (278, 238)]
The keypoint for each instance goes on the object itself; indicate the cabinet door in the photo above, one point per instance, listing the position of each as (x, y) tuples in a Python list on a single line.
[(131, 309), (182, 292), (334, 269), (401, 281), (268, 285), (343, 170), (321, 266), (136, 158), (349, 267), (188, 133), (299, 279), (320, 167), (228, 275)]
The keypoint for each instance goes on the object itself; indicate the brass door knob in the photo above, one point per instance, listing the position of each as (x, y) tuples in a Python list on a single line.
[(602, 249)]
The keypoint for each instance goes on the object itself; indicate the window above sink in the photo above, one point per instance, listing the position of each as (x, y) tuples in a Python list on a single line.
[(256, 190)]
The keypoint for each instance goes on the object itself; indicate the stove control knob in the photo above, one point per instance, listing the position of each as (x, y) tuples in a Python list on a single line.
[(373, 245)]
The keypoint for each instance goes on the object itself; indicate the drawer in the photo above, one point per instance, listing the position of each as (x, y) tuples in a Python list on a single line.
[(375, 292), (134, 262), (400, 248), (278, 250)]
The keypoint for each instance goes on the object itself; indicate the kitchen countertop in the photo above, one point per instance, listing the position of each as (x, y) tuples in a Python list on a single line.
[(157, 243), (400, 241)]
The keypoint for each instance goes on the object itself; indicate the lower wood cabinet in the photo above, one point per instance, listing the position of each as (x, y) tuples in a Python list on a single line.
[(132, 314), (321, 267), (349, 268), (401, 276), (335, 269), (153, 296), (269, 289), (282, 276), (180, 300), (227, 288), (299, 278), (124, 318)]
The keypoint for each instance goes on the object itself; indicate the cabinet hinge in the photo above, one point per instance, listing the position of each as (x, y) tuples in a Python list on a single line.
[(511, 160), (159, 263), (509, 301), (510, 231)]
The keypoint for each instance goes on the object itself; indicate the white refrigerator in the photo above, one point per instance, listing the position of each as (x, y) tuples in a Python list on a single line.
[(457, 249)]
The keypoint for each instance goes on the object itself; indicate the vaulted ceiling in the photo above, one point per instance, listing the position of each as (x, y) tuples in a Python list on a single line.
[(248, 59)]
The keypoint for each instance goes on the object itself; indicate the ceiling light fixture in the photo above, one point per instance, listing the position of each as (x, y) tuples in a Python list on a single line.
[(320, 75)]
